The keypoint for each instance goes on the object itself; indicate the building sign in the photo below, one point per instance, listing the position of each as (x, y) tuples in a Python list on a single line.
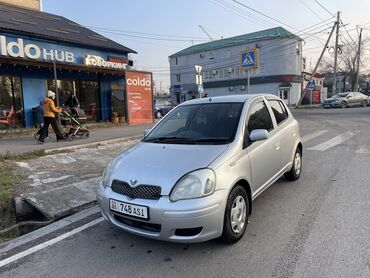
[(97, 61), (118, 60), (47, 51), (139, 97), (249, 59), (20, 49)]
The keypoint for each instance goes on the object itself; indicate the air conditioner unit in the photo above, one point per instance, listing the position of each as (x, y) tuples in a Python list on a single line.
[(230, 70), (214, 72), (258, 45), (201, 55)]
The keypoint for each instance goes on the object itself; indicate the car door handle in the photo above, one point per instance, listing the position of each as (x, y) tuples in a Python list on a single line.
[(277, 146)]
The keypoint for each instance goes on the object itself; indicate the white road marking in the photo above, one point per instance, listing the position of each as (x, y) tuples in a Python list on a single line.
[(48, 243), (37, 180), (65, 159), (50, 180), (333, 142), (23, 165), (364, 149), (313, 135)]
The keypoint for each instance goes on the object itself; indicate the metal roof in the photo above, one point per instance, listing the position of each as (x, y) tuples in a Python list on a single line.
[(47, 26), (277, 32)]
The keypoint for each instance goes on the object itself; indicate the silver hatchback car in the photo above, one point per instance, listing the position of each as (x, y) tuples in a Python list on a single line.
[(194, 175)]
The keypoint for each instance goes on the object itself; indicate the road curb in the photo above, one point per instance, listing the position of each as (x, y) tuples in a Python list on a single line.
[(51, 228), (94, 144)]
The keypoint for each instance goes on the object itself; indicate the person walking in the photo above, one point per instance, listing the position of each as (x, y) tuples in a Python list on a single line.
[(49, 118)]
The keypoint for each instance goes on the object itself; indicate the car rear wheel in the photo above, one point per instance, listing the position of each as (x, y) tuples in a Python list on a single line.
[(296, 170), (343, 104), (364, 103), (236, 215)]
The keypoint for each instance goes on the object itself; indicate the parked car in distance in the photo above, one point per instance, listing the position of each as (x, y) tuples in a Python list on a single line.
[(194, 175), (347, 99), (162, 106), (367, 93)]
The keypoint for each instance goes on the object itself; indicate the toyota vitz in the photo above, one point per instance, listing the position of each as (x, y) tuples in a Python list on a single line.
[(194, 175)]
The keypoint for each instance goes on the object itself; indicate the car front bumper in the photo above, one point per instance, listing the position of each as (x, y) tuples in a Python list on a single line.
[(333, 104), (203, 216)]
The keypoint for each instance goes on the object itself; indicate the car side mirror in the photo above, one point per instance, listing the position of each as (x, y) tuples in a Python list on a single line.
[(258, 135), (349, 96), (146, 132)]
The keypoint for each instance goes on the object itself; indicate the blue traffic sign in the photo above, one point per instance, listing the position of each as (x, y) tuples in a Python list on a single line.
[(249, 59), (311, 85)]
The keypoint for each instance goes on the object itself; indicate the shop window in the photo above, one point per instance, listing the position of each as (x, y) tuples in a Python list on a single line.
[(87, 93), (11, 102)]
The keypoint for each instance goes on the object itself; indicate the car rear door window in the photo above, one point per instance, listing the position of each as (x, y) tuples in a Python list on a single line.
[(259, 118), (279, 111)]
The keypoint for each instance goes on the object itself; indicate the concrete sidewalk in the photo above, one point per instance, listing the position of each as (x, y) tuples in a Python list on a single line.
[(59, 184), (23, 144)]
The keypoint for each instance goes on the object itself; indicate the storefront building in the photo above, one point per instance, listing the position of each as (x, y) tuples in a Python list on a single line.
[(41, 51)]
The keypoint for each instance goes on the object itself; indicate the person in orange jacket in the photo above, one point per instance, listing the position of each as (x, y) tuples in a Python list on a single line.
[(49, 118)]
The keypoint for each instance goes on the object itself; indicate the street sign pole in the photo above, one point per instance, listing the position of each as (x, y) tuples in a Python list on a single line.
[(249, 60), (249, 81)]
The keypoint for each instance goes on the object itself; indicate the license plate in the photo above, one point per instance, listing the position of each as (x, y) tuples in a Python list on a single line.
[(129, 209)]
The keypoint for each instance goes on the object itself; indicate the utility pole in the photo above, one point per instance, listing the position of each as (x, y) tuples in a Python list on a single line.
[(336, 56), (357, 85), (317, 64)]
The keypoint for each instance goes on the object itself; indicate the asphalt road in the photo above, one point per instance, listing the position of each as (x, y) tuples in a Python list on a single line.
[(318, 226)]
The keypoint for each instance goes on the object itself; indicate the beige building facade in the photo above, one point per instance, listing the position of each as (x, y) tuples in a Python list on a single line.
[(29, 4)]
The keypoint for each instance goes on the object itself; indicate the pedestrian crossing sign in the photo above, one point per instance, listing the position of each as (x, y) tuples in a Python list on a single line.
[(249, 59)]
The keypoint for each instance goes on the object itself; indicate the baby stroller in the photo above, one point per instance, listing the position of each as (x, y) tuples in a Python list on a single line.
[(74, 118)]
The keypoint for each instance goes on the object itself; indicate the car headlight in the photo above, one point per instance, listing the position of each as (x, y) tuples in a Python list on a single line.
[(195, 184), (106, 175)]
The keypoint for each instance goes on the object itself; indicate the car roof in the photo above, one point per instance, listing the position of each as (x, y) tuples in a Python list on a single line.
[(232, 98)]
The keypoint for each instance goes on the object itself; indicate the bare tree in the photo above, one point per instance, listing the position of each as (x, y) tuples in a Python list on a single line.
[(347, 61)]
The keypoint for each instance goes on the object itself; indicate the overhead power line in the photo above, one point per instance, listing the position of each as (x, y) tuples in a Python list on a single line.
[(322, 6)]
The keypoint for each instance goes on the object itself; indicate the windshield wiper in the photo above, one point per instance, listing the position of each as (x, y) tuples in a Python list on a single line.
[(167, 139)]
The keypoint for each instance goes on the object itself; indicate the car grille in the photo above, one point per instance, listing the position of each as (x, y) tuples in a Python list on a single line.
[(142, 191), (156, 228)]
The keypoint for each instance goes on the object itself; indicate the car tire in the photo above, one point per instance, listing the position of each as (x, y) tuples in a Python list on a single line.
[(364, 103), (343, 104), (236, 215), (158, 114), (296, 170)]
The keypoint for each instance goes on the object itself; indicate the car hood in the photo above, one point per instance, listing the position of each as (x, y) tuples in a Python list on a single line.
[(162, 164)]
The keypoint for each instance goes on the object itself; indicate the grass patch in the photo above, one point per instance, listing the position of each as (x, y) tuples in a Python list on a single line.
[(24, 156), (8, 183), (7, 236)]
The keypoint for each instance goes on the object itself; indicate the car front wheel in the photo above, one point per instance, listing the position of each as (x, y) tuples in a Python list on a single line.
[(236, 215), (158, 114), (296, 170)]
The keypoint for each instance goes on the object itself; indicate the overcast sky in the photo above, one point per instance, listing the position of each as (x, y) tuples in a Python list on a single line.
[(159, 28)]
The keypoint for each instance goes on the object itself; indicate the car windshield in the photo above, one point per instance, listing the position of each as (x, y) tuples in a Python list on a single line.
[(210, 123), (341, 95)]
